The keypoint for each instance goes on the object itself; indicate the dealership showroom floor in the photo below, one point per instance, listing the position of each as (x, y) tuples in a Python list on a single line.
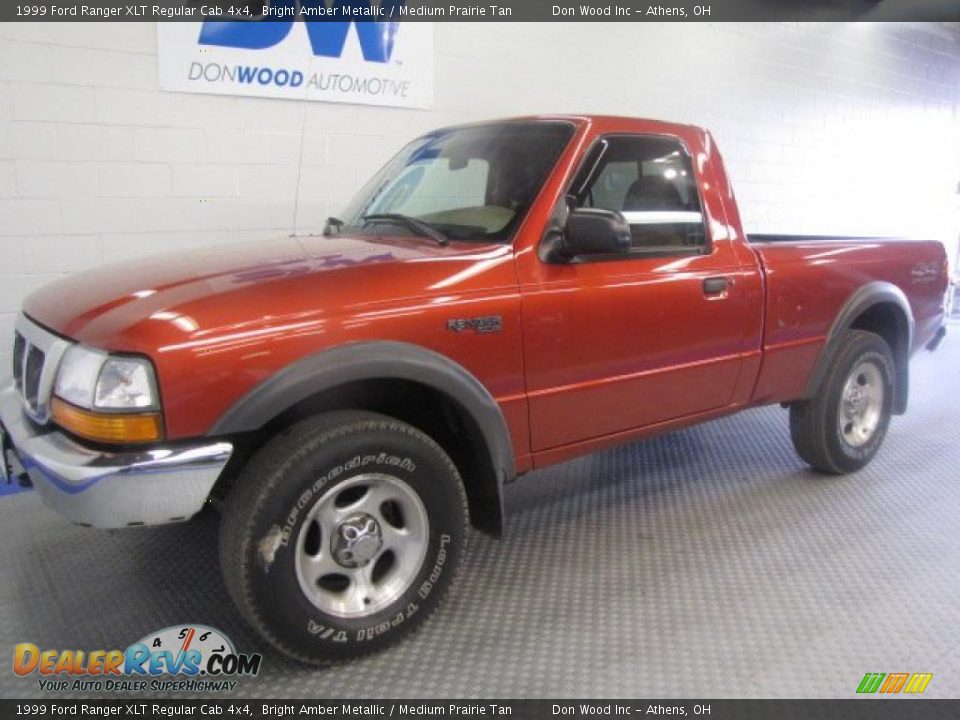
[(708, 562)]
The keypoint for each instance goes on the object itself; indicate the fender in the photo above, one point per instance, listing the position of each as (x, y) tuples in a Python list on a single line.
[(861, 301), (380, 360)]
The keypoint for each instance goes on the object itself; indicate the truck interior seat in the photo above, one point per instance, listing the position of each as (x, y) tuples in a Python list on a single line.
[(653, 192)]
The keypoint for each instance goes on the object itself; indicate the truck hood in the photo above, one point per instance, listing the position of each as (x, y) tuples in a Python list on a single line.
[(212, 291)]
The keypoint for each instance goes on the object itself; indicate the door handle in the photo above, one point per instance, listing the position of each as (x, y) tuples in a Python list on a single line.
[(716, 285)]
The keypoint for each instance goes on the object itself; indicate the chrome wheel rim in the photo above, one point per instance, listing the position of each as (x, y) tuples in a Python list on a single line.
[(361, 545), (861, 404)]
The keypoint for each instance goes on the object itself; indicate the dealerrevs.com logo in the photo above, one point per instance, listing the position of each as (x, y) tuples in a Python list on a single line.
[(186, 658)]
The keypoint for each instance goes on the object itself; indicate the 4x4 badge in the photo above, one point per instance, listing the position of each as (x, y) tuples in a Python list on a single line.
[(480, 325)]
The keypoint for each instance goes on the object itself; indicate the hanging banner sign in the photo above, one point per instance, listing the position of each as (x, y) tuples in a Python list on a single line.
[(365, 62)]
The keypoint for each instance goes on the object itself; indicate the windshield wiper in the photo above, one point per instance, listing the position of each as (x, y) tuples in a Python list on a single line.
[(418, 226)]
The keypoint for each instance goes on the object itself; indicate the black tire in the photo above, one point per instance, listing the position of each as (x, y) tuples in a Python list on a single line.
[(263, 536), (822, 437)]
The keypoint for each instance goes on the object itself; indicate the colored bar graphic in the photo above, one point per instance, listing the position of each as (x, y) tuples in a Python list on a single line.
[(918, 682), (871, 682), (894, 683)]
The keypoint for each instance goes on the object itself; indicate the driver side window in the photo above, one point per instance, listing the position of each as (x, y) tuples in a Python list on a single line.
[(650, 181)]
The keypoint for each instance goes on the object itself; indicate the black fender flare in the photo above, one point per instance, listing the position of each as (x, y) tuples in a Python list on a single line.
[(864, 298), (378, 360)]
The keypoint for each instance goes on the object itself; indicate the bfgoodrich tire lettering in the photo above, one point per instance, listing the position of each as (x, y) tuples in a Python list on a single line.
[(264, 528), (842, 427)]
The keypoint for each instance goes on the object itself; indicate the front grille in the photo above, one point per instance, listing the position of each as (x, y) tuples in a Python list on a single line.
[(36, 358), (18, 345), (32, 372)]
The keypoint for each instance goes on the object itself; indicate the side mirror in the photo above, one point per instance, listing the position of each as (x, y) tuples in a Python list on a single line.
[(594, 231)]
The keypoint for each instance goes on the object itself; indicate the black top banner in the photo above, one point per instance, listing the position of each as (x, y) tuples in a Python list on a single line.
[(479, 10), (893, 709)]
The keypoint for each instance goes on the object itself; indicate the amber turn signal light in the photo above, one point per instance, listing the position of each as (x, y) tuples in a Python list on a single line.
[(112, 428)]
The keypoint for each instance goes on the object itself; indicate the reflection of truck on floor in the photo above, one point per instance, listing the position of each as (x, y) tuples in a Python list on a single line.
[(500, 297), (953, 297)]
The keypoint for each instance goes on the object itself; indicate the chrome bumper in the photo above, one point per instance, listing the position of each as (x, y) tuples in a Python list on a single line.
[(107, 489)]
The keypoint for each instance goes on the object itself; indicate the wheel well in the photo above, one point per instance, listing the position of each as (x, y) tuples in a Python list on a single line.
[(888, 320), (420, 405)]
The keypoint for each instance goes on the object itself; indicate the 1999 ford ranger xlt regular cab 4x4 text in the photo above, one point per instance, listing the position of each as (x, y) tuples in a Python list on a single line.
[(498, 298)]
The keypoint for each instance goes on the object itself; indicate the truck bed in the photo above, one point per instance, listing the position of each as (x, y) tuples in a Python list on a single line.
[(810, 278), (759, 238)]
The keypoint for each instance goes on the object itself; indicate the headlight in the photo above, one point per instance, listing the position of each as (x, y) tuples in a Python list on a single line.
[(107, 399), (77, 379), (125, 383), (96, 381)]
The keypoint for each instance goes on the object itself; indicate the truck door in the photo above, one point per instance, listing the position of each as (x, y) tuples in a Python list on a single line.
[(617, 343)]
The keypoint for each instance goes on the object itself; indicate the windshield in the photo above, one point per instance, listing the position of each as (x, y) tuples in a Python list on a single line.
[(469, 183)]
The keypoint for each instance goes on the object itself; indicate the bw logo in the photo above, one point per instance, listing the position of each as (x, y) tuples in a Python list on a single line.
[(327, 37)]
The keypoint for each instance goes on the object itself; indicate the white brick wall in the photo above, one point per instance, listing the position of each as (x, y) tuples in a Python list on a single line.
[(850, 129)]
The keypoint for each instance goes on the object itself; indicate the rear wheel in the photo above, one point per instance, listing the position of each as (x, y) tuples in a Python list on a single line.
[(842, 427), (342, 535)]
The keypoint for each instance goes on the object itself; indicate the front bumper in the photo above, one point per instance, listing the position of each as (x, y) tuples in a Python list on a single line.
[(110, 489)]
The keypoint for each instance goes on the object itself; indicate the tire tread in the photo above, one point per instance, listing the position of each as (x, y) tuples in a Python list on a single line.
[(262, 474), (811, 420)]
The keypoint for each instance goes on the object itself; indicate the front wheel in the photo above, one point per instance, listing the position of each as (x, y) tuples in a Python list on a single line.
[(842, 427), (342, 535)]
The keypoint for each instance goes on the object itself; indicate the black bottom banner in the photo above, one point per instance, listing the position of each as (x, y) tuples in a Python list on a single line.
[(872, 709)]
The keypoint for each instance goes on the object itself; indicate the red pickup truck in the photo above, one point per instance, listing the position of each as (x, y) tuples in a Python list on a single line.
[(498, 298)]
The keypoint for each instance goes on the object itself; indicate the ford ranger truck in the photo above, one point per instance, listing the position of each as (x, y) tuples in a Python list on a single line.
[(500, 297)]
